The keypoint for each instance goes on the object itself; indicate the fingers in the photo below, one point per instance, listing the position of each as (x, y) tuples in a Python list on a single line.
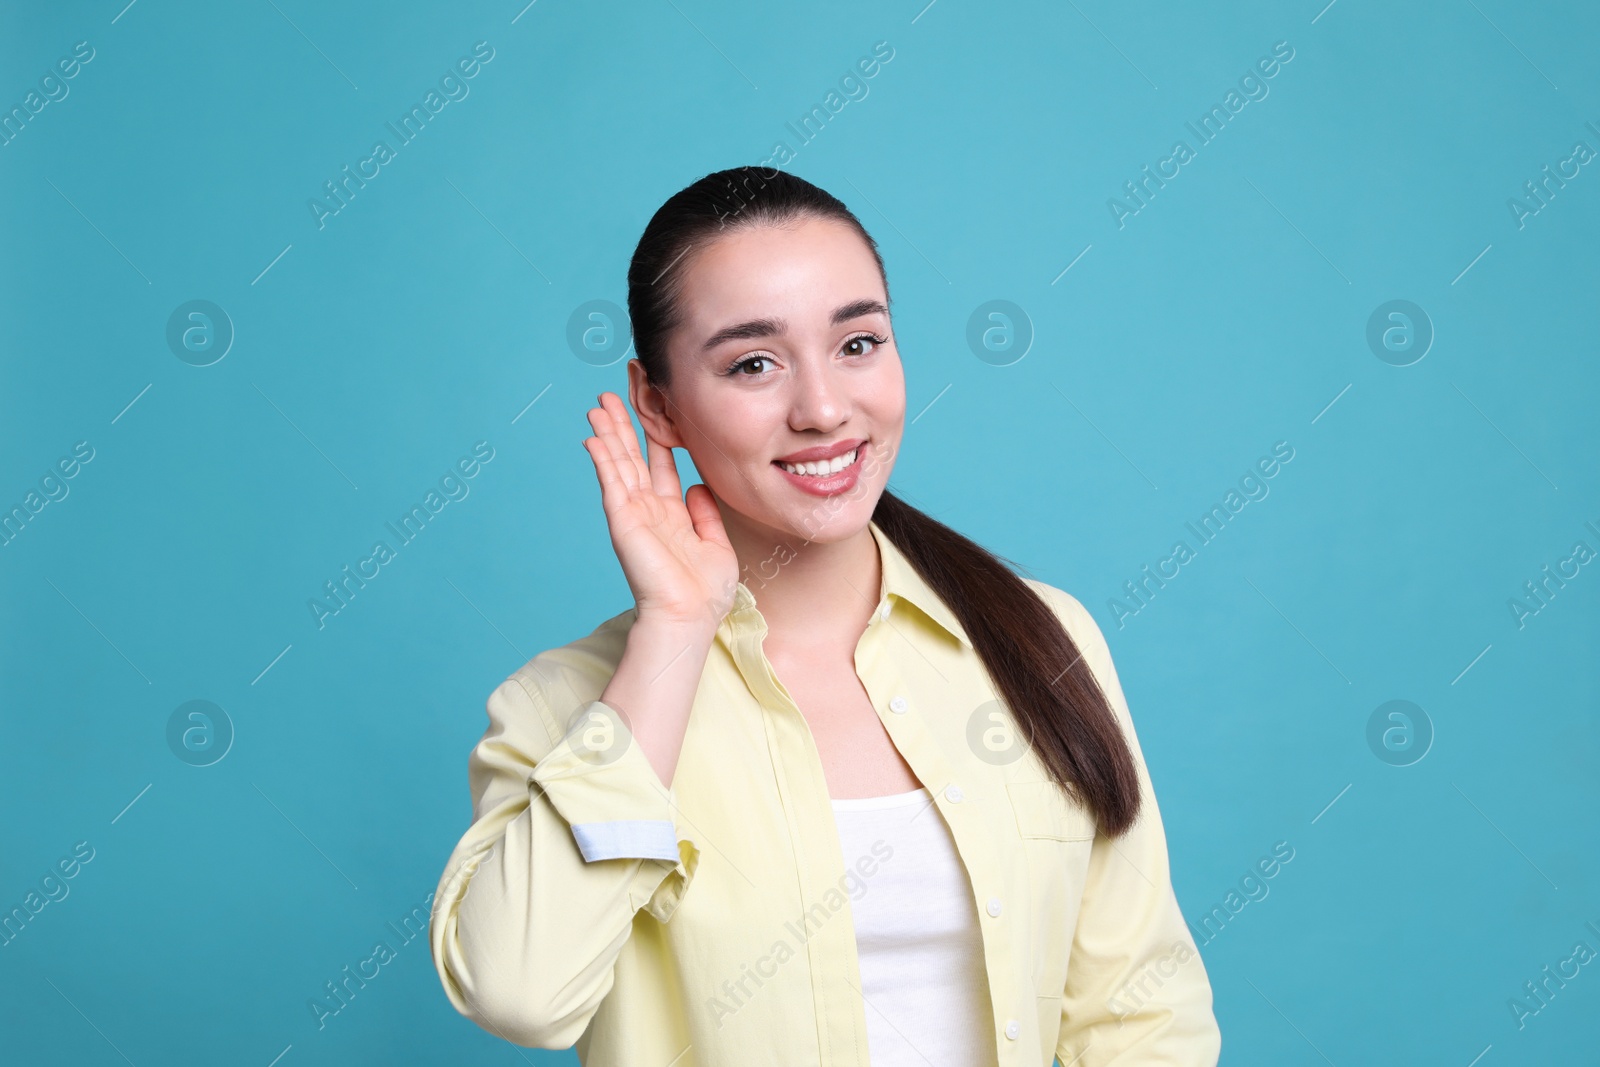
[(705, 516), (613, 492), (663, 470), (605, 429), (627, 436)]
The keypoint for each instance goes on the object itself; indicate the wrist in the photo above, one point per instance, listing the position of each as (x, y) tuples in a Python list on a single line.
[(660, 629)]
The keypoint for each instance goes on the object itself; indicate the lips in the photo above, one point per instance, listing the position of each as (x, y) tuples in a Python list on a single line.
[(832, 482), (818, 453)]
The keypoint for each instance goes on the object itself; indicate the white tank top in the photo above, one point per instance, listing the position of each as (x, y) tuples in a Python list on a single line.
[(922, 970)]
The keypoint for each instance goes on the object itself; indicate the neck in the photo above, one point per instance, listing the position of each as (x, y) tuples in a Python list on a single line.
[(818, 594)]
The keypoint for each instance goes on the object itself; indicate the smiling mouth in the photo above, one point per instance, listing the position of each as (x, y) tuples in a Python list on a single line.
[(821, 468)]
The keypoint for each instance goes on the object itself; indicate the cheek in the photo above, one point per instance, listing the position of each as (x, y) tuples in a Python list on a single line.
[(887, 393), (733, 436)]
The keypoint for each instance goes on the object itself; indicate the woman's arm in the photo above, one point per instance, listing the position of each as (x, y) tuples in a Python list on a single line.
[(573, 833), (572, 827), (1137, 991)]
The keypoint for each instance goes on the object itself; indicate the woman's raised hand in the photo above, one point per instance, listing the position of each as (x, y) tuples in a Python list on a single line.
[(673, 549)]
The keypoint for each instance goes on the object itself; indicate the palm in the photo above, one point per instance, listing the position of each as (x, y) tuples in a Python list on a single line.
[(674, 552)]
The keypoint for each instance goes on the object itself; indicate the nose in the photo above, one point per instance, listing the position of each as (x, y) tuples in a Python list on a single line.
[(820, 400)]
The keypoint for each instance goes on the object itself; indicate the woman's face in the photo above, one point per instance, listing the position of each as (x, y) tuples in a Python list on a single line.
[(776, 354)]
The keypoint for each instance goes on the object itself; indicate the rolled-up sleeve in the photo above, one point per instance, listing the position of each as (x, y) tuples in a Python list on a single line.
[(572, 835), (1137, 991)]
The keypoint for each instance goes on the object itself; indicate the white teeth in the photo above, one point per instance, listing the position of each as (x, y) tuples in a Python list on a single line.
[(825, 467)]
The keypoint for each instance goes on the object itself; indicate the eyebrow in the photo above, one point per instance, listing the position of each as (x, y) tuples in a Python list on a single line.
[(856, 309), (744, 331)]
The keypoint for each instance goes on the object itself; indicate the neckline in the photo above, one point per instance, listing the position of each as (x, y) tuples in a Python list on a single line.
[(890, 800)]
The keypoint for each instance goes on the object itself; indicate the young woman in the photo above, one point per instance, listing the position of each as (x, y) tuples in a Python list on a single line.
[(840, 788)]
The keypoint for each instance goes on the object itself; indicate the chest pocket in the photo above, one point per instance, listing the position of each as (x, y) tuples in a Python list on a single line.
[(1043, 810)]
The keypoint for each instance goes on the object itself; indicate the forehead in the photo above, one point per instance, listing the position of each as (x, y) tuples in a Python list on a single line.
[(799, 272)]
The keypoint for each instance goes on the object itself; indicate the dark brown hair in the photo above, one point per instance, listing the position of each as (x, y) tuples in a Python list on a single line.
[(1031, 659)]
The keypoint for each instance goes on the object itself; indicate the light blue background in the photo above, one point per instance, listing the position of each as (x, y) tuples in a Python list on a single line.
[(1228, 314)]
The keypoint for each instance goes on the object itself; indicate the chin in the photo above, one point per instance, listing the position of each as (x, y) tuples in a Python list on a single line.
[(835, 521)]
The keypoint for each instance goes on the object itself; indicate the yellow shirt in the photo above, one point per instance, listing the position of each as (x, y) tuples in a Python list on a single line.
[(708, 925)]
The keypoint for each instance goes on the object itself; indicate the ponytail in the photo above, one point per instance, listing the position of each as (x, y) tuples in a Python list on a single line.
[(1035, 665)]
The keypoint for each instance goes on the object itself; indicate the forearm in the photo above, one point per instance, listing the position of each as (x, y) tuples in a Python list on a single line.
[(654, 687)]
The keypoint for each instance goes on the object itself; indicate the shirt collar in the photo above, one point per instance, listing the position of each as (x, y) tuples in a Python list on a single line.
[(900, 580)]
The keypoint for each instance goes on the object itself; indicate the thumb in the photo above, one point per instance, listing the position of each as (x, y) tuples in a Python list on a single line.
[(703, 513)]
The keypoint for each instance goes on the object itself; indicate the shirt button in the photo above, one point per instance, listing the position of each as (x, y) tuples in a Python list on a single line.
[(1013, 1029), (954, 794), (898, 705), (883, 612), (994, 905)]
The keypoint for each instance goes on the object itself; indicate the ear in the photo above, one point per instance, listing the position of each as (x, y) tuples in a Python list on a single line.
[(650, 405)]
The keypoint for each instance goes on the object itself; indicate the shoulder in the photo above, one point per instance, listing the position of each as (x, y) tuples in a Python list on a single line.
[(1080, 625), (534, 708), (1085, 633), (560, 680), (1060, 600)]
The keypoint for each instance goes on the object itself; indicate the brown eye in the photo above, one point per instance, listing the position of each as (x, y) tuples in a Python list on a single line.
[(859, 338)]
